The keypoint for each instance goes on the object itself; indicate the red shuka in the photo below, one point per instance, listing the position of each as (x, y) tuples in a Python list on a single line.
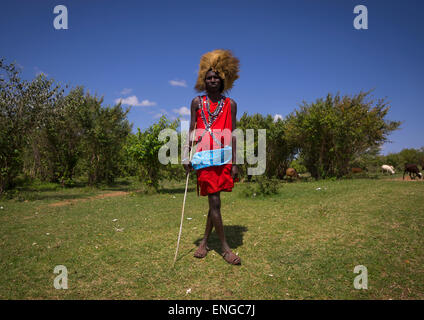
[(215, 178)]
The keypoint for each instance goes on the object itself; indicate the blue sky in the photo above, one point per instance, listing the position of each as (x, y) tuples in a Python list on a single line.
[(147, 52)]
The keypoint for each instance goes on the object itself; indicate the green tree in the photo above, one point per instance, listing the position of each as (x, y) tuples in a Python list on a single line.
[(21, 104), (144, 148), (55, 141), (331, 133), (279, 151), (104, 132), (407, 155)]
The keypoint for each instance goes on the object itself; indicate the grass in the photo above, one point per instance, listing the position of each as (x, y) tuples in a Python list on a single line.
[(302, 243)]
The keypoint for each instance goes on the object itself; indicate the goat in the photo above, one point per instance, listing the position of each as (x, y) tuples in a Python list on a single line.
[(292, 173), (387, 168), (356, 170), (413, 171)]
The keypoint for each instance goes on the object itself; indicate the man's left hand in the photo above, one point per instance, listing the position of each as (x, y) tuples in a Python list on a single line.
[(234, 172)]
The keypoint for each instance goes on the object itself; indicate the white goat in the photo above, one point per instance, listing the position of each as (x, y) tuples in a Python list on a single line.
[(387, 168)]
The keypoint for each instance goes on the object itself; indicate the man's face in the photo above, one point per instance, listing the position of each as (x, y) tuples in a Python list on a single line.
[(213, 82)]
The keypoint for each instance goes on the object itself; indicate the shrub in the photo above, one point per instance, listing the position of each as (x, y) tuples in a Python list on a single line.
[(261, 188)]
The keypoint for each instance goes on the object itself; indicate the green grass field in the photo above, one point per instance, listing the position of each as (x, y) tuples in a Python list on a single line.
[(302, 243)]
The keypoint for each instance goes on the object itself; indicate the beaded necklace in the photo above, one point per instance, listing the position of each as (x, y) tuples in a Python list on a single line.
[(211, 115)]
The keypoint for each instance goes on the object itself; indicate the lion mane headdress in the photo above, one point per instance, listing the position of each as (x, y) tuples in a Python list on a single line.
[(223, 63)]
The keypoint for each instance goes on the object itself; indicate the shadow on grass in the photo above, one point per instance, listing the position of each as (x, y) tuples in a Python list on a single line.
[(175, 190), (233, 234)]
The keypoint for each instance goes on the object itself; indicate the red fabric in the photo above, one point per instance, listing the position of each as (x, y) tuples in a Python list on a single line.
[(216, 178)]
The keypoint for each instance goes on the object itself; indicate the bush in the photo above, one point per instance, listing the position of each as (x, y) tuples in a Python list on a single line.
[(298, 166), (262, 187), (332, 132), (143, 148)]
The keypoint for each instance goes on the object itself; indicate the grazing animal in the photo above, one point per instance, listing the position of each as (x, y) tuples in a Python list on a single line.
[(413, 171), (292, 173), (356, 170), (387, 168)]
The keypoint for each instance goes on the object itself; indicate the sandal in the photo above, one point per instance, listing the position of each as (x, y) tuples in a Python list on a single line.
[(200, 253), (231, 258)]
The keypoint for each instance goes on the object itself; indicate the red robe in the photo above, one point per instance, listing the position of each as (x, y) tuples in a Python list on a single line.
[(215, 178)]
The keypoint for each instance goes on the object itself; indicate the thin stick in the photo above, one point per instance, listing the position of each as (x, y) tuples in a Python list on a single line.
[(185, 195)]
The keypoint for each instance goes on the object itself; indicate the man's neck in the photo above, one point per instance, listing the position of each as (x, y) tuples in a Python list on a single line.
[(214, 96)]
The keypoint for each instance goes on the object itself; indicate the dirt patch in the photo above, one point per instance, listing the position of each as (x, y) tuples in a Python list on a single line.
[(100, 196)]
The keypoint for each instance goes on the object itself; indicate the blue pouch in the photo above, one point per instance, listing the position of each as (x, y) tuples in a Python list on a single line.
[(209, 158)]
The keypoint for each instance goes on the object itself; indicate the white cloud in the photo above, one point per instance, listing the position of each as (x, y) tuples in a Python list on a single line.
[(162, 112), (178, 83), (183, 111), (133, 101), (278, 117), (126, 91)]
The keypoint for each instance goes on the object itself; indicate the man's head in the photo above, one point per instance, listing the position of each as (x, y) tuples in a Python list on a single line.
[(223, 64), (213, 82)]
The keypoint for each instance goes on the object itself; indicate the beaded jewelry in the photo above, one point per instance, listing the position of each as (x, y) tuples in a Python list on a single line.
[(211, 115)]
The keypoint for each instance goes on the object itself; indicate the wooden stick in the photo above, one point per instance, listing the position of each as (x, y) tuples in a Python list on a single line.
[(185, 195)]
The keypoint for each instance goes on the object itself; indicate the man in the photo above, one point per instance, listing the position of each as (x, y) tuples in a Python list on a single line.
[(214, 161)]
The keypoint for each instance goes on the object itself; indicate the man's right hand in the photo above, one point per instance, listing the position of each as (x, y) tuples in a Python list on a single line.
[(188, 167)]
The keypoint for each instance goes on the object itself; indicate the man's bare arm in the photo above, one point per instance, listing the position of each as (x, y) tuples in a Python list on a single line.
[(193, 118), (233, 139)]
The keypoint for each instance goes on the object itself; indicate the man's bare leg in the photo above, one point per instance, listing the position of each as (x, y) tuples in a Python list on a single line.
[(202, 250), (215, 213)]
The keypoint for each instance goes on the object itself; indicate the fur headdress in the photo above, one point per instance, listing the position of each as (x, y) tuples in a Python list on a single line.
[(222, 62)]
